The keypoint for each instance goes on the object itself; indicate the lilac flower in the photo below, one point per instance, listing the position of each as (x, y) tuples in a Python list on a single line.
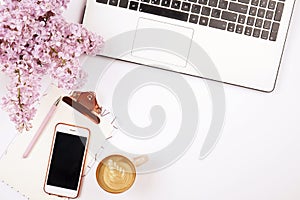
[(35, 41)]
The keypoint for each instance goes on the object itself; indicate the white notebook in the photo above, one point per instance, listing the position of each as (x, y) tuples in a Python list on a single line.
[(27, 175)]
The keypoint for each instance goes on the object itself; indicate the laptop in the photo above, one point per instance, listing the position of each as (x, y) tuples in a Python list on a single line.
[(243, 40)]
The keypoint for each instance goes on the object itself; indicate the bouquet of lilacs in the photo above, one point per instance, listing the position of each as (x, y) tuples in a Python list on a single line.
[(35, 41)]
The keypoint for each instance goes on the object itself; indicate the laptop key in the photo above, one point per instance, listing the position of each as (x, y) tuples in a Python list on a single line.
[(203, 21), (278, 12), (242, 19), (230, 27), (213, 3), (102, 1), (239, 29), (113, 2), (248, 31), (215, 23), (176, 4), (261, 13), (267, 24), (196, 8), (133, 5), (274, 31), (203, 2), (166, 3), (216, 13), (256, 33), (272, 5), (229, 16), (194, 19), (236, 7), (186, 6), (123, 3), (258, 23), (205, 11), (253, 11), (163, 12), (250, 21), (223, 4), (269, 14), (156, 2), (254, 2), (263, 3), (264, 34)]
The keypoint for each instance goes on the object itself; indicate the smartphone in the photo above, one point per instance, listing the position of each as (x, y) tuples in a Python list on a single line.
[(66, 160)]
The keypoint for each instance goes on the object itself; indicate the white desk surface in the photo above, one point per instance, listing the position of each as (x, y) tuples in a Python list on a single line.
[(257, 156)]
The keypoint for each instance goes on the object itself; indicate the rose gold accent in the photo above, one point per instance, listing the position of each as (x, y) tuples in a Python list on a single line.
[(82, 109), (88, 100)]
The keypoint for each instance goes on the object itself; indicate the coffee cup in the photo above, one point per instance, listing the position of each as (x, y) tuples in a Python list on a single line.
[(117, 173)]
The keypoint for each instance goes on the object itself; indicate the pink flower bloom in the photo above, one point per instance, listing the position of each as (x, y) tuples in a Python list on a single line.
[(35, 41)]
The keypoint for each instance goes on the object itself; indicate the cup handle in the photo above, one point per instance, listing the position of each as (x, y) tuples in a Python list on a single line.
[(140, 160)]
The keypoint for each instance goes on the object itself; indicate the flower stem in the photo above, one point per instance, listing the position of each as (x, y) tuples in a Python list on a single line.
[(19, 90)]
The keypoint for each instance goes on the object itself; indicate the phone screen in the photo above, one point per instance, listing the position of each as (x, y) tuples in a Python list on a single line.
[(66, 161)]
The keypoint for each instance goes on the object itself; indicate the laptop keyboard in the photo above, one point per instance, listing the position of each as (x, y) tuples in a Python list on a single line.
[(255, 18)]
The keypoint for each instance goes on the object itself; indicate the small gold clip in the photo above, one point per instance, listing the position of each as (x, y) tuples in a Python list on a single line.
[(85, 103)]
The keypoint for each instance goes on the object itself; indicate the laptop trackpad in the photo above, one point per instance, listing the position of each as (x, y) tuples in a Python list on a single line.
[(162, 43)]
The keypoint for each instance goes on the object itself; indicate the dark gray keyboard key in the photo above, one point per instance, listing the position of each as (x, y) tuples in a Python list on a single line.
[(203, 2), (259, 23), (239, 29), (194, 19), (186, 6), (176, 4), (156, 2), (113, 2), (272, 5), (146, 1), (223, 4), (274, 31), (236, 7), (214, 23), (163, 12), (216, 13), (269, 14), (193, 1), (273, 36), (256, 33), (278, 12), (196, 8), (230, 27), (248, 31), (254, 2), (250, 21), (242, 19), (133, 5), (166, 3), (102, 1), (123, 3), (203, 21), (267, 24), (253, 11), (244, 1), (205, 11), (229, 16), (261, 13), (213, 3), (265, 34), (263, 3)]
